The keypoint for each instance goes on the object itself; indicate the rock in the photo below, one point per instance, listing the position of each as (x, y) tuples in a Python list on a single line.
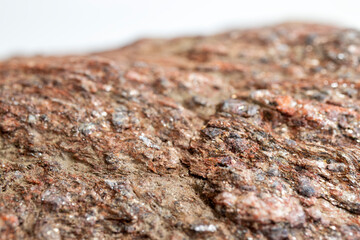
[(250, 134)]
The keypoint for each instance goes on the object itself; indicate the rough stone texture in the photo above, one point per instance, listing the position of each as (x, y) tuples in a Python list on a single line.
[(250, 134)]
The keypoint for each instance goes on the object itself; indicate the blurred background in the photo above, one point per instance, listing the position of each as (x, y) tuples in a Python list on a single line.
[(29, 27)]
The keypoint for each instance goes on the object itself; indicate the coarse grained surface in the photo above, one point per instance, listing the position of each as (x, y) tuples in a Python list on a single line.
[(249, 134)]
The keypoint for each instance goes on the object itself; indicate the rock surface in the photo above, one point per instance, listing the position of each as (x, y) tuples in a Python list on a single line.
[(250, 134)]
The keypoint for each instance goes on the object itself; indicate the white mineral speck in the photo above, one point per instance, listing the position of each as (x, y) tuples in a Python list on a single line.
[(205, 228), (334, 85), (148, 142), (111, 183), (87, 128), (31, 119), (107, 88)]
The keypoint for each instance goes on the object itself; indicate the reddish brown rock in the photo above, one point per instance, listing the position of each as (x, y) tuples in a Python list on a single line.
[(250, 134)]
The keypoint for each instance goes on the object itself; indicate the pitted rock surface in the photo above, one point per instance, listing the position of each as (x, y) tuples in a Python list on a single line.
[(249, 134)]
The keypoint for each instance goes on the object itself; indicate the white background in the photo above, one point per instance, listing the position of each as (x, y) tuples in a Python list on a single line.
[(77, 26)]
